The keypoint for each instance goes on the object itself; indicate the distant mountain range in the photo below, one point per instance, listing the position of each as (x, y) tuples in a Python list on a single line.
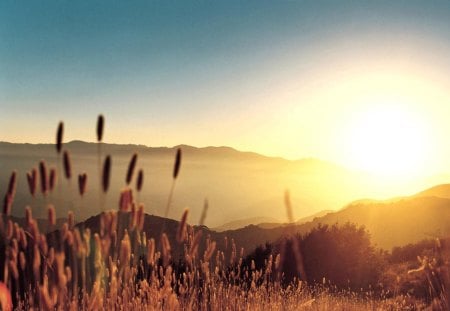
[(236, 224), (266, 222), (237, 184)]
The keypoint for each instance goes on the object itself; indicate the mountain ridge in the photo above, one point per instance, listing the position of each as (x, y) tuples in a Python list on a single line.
[(228, 149)]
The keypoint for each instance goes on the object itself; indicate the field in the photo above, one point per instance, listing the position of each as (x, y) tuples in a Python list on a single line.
[(114, 262)]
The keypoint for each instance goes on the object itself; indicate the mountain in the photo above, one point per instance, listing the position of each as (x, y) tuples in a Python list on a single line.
[(237, 184), (313, 216), (440, 191), (265, 222), (393, 222), (404, 221), (236, 224)]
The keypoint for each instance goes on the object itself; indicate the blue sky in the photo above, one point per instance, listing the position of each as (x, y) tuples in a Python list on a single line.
[(238, 73)]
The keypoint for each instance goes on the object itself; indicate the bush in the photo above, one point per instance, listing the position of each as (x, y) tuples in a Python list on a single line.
[(342, 255)]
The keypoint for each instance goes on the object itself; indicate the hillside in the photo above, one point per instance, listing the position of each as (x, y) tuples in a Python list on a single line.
[(394, 222), (236, 224), (408, 220), (440, 191), (397, 221), (265, 222)]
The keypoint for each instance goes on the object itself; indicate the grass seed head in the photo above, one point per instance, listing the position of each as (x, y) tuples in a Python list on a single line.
[(151, 251), (195, 243), (59, 137), (125, 250), (12, 184), (31, 178), (140, 180), (140, 217), (52, 179), (106, 174), (126, 200), (100, 126), (43, 175), (28, 215), (166, 249), (176, 167), (210, 251), (131, 167), (181, 232), (67, 164), (82, 183), (7, 203), (51, 215)]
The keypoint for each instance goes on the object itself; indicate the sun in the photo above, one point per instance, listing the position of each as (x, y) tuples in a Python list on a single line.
[(387, 139)]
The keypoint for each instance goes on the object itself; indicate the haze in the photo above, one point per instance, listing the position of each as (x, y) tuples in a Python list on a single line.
[(295, 79)]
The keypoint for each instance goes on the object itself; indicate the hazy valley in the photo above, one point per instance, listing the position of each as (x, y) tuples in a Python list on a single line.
[(237, 185), (244, 191)]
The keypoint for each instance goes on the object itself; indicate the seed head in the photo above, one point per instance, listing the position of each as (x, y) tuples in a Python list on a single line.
[(100, 125), (52, 179), (140, 217), (181, 233), (43, 174), (31, 178), (166, 249), (210, 251), (59, 137), (131, 167), (67, 165), (151, 251), (28, 215), (195, 243), (176, 167), (125, 250), (12, 183), (51, 215), (82, 183), (126, 200), (106, 173), (7, 203), (140, 180)]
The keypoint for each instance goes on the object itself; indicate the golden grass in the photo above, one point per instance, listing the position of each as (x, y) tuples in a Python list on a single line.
[(120, 268)]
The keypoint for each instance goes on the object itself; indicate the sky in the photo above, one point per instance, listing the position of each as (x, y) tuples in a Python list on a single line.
[(283, 78)]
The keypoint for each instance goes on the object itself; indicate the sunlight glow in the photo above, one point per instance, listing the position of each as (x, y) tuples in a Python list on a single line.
[(387, 139)]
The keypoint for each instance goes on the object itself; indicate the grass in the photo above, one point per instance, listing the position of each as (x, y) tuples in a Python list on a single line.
[(116, 266)]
